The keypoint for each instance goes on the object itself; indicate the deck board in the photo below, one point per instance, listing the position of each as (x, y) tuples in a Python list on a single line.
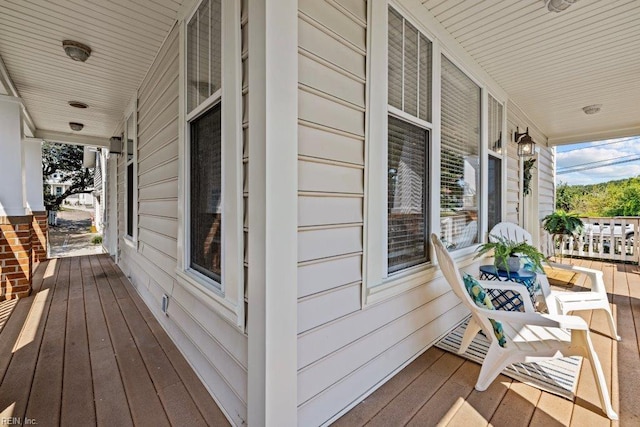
[(77, 390), (83, 349), (449, 398), (46, 390)]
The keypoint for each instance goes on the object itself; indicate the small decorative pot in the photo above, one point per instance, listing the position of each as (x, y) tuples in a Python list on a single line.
[(513, 264)]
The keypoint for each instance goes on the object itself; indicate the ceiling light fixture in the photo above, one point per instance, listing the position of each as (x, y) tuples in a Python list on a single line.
[(526, 145), (592, 109), (76, 126), (78, 104), (76, 50), (558, 5)]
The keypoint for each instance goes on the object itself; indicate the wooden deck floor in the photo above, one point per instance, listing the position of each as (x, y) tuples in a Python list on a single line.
[(437, 388), (83, 349)]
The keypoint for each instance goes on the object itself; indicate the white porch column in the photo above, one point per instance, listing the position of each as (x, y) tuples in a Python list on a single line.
[(273, 216), (11, 162), (32, 155)]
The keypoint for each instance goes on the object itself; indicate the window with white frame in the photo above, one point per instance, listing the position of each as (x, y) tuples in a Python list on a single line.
[(495, 156), (131, 148), (409, 124), (204, 115), (460, 157)]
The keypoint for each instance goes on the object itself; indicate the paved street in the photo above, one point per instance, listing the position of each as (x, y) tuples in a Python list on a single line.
[(72, 236)]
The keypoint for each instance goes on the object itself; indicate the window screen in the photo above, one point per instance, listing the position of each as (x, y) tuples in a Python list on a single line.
[(204, 53), (460, 160), (407, 195), (206, 190), (409, 68)]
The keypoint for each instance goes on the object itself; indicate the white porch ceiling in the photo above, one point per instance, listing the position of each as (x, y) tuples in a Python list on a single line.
[(550, 64), (124, 36), (553, 64)]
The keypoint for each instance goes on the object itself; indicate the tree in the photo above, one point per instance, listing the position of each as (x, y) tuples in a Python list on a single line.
[(66, 161)]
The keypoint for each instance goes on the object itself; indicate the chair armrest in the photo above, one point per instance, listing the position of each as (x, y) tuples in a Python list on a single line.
[(596, 276), (537, 319), (513, 287)]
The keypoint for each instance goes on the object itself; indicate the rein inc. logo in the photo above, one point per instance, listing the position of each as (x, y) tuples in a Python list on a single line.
[(17, 421)]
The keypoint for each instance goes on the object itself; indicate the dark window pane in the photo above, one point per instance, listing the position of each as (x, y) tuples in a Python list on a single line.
[(407, 195), (130, 200), (206, 189), (495, 191)]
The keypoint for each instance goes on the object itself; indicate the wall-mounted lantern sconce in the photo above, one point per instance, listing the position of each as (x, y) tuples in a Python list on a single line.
[(526, 146), (115, 145)]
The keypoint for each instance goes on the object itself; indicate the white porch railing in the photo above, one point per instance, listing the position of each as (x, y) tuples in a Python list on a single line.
[(611, 238)]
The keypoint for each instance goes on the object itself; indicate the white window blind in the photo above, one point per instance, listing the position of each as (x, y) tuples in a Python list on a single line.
[(495, 125), (460, 160), (409, 68), (204, 53), (409, 91), (494, 189)]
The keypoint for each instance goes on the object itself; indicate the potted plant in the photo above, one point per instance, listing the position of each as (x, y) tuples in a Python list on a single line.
[(507, 254), (561, 223)]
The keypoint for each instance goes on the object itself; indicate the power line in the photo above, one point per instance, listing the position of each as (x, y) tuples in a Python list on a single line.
[(598, 161), (582, 168), (631, 138)]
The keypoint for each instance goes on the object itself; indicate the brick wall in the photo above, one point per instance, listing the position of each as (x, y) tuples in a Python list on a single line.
[(39, 236), (16, 261)]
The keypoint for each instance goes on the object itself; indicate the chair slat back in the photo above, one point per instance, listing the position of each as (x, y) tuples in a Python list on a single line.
[(511, 232)]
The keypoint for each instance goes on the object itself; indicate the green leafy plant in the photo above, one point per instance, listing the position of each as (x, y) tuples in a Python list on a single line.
[(96, 240), (527, 175), (504, 248), (563, 223), (560, 224)]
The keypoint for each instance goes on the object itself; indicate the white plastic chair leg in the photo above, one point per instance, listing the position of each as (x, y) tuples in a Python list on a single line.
[(603, 391), (469, 334), (494, 362), (612, 325)]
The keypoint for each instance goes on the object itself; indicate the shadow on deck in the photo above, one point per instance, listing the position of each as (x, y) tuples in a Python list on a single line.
[(84, 349)]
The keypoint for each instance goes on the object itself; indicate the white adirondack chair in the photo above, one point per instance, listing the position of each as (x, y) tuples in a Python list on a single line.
[(531, 336), (559, 302)]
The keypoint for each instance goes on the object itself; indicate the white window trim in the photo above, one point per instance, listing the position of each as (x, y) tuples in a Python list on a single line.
[(132, 111), (377, 284), (503, 156), (226, 298)]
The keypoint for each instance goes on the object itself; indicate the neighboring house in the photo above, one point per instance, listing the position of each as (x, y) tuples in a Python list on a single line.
[(282, 164), (58, 187)]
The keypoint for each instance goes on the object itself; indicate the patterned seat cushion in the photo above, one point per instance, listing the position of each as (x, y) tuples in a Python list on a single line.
[(483, 300)]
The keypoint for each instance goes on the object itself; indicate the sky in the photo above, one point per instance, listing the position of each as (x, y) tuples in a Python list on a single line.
[(595, 162)]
